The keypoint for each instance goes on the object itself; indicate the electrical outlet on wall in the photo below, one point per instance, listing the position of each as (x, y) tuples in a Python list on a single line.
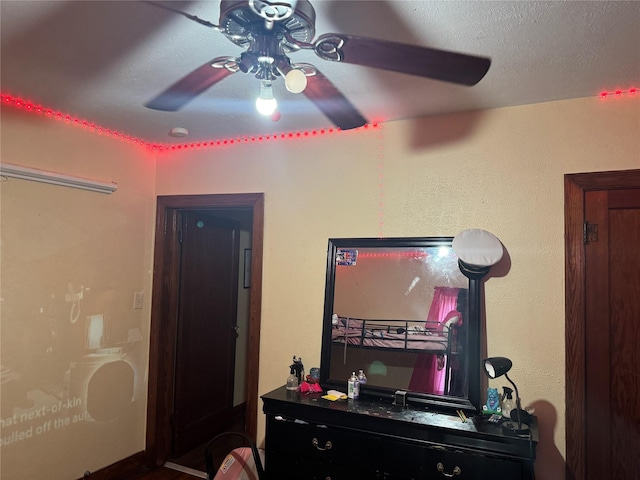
[(137, 300)]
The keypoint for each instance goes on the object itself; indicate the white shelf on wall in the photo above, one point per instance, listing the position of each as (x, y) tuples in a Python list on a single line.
[(36, 175)]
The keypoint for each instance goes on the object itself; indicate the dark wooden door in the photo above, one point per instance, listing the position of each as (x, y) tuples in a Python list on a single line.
[(207, 313), (612, 334)]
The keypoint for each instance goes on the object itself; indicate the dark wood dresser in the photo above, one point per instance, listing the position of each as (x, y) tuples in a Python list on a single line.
[(308, 437)]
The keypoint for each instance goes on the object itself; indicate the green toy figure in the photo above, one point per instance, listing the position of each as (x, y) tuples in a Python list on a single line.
[(493, 402)]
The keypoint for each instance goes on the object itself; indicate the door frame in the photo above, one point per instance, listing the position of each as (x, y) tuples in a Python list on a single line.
[(575, 186), (163, 334)]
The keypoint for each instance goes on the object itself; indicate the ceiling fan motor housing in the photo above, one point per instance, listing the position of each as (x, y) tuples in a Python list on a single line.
[(240, 24), (273, 11)]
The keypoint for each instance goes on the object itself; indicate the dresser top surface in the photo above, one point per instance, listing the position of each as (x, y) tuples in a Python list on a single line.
[(370, 409)]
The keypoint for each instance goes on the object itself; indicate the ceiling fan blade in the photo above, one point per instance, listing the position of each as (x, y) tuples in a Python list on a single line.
[(332, 103), (187, 88), (399, 57), (184, 14)]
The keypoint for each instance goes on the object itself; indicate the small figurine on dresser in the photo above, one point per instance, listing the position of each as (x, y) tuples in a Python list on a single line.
[(493, 402), (296, 375), (298, 368)]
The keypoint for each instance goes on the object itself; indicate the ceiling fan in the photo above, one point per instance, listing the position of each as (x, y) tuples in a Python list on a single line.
[(271, 30)]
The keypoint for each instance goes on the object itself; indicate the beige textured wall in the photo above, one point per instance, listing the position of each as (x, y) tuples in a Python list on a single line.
[(53, 237), (500, 170)]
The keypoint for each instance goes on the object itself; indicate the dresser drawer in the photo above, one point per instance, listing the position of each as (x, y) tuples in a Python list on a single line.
[(472, 466), (413, 461), (320, 443), (280, 466), (403, 461)]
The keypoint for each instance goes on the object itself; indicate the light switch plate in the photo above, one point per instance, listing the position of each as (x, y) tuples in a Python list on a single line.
[(137, 300)]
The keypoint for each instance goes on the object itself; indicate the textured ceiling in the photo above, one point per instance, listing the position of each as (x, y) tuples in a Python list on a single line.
[(102, 60)]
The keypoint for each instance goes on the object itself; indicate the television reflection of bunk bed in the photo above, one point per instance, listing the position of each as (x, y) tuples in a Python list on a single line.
[(425, 337)]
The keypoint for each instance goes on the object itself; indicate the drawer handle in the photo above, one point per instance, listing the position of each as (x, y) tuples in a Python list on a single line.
[(327, 446), (456, 470)]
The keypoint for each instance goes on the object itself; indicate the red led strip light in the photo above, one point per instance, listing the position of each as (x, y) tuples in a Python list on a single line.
[(415, 254), (619, 93), (381, 184), (30, 107)]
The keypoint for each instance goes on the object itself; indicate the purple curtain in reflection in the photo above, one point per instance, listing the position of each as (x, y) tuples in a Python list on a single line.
[(429, 373)]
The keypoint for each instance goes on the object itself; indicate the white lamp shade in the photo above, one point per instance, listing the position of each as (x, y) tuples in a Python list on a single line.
[(477, 248)]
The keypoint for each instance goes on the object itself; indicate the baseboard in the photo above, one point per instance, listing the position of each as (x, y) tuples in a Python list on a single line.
[(120, 469), (136, 462)]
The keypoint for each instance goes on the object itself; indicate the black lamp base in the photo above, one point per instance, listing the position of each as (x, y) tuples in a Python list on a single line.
[(513, 427)]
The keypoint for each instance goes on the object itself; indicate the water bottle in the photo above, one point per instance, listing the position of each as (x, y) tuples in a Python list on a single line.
[(362, 378), (292, 380), (353, 387)]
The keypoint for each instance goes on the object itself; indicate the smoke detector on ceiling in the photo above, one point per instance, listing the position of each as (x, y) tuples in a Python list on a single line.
[(179, 132)]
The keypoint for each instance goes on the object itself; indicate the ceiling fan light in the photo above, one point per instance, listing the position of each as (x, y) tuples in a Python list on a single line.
[(266, 104), (295, 80)]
